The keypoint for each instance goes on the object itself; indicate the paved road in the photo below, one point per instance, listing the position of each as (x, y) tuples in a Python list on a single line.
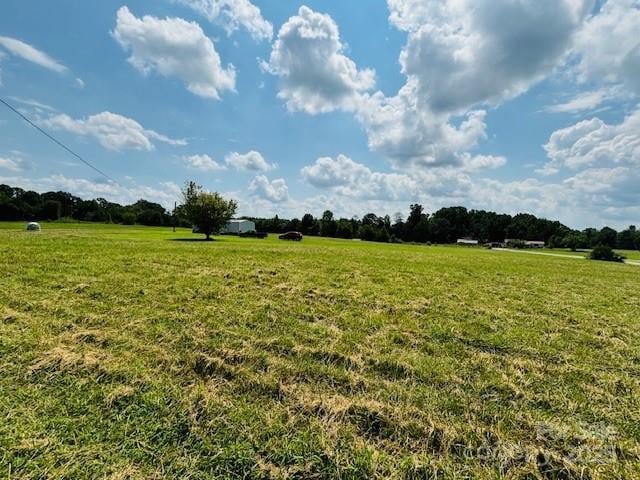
[(629, 262)]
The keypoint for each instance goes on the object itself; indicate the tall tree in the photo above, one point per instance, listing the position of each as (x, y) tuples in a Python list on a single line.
[(207, 210), (608, 236), (328, 225)]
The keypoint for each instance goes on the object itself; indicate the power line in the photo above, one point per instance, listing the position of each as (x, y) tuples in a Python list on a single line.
[(52, 138)]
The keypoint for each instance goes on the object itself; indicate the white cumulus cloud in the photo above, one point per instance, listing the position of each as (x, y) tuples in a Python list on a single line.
[(251, 161), (272, 190), (464, 53), (315, 74), (593, 141), (202, 162), (609, 45), (113, 131), (233, 14), (351, 179), (174, 47), (13, 163), (460, 55), (414, 137)]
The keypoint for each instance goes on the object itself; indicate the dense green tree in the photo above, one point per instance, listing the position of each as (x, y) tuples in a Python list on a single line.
[(150, 217), (457, 219), (628, 239), (608, 236), (207, 210), (441, 231), (293, 225), (309, 225), (328, 226), (422, 231), (50, 210), (344, 228)]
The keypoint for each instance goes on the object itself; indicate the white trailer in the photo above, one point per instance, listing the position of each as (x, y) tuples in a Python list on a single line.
[(236, 227), (467, 242)]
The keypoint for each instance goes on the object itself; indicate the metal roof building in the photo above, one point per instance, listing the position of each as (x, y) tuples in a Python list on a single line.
[(235, 227)]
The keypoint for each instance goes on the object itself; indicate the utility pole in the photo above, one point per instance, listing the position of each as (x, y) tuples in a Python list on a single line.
[(175, 206)]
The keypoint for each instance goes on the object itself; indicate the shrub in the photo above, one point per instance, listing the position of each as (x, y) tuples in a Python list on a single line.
[(605, 253)]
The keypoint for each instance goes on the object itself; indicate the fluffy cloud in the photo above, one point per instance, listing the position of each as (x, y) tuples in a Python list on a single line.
[(459, 54), (413, 137), (469, 52), (347, 178), (409, 15), (609, 45), (592, 142), (251, 161), (233, 14), (327, 172), (472, 163), (13, 164), (31, 54), (174, 47), (315, 75), (202, 162), (275, 191), (113, 131)]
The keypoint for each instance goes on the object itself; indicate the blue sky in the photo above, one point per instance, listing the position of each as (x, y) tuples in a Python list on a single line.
[(293, 106)]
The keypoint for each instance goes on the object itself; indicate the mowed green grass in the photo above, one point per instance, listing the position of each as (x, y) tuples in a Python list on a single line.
[(126, 353), (632, 255)]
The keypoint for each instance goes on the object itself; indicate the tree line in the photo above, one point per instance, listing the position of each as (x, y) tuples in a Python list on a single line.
[(444, 226), (451, 223), (19, 204)]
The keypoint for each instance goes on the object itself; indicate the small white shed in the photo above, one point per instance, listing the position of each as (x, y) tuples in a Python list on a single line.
[(33, 227), (235, 227), (467, 241)]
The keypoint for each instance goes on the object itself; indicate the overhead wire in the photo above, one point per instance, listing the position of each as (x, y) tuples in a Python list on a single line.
[(58, 142)]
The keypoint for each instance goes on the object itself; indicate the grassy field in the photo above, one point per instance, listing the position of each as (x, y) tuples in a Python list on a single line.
[(126, 352), (633, 255)]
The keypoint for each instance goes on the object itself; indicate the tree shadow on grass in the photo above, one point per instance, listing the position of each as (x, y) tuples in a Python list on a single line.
[(199, 240)]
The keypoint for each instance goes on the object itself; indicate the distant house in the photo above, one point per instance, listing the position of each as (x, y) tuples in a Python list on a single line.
[(516, 243), (236, 227), (467, 242), (534, 244)]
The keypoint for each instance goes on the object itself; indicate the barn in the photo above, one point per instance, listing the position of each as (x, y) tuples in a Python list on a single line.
[(236, 227)]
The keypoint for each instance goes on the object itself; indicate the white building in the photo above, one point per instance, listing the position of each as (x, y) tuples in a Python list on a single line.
[(534, 244), (235, 227), (467, 241)]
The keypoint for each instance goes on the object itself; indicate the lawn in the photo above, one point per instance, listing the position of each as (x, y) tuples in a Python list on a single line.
[(126, 352), (629, 254)]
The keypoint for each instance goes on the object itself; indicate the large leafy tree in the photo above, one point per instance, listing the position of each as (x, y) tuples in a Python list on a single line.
[(206, 210)]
